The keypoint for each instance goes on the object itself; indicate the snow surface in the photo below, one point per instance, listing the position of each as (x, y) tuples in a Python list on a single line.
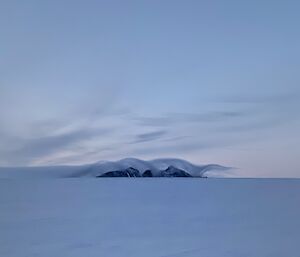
[(176, 217)]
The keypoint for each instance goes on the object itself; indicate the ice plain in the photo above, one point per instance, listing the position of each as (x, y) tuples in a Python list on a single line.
[(149, 217)]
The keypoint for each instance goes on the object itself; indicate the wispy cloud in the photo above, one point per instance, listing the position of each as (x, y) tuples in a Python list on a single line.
[(151, 136), (174, 118), (33, 148)]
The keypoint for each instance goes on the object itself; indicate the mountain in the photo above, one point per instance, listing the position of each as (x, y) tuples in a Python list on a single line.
[(129, 172), (129, 167), (174, 172), (166, 167), (171, 171), (147, 173)]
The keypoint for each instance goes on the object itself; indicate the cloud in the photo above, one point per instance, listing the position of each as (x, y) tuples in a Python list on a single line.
[(33, 148), (175, 148), (175, 118), (150, 136), (82, 157)]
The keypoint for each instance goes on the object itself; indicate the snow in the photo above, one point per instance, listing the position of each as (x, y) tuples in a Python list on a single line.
[(149, 217)]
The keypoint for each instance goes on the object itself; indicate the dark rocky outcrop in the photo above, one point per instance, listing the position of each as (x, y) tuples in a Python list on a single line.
[(147, 173), (129, 172), (171, 171)]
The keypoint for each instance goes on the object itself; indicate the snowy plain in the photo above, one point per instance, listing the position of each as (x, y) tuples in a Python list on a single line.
[(149, 217)]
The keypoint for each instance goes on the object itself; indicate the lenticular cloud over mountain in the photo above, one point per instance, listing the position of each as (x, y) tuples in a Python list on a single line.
[(155, 166), (129, 167)]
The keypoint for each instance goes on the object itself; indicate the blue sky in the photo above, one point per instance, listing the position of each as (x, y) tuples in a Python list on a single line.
[(207, 81)]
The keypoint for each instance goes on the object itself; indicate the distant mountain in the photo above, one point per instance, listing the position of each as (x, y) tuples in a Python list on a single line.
[(129, 167), (153, 168), (129, 172), (171, 171)]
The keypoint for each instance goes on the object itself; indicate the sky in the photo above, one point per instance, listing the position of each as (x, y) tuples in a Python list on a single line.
[(206, 81)]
